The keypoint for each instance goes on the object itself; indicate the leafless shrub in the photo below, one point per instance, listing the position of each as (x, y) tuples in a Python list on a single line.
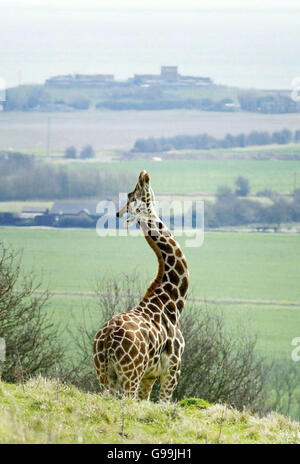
[(220, 365), (116, 295), (32, 342), (284, 388)]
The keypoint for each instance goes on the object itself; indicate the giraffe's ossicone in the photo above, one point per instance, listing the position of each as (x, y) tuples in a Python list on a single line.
[(135, 348)]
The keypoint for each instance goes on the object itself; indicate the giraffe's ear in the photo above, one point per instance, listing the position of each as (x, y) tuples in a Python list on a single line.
[(147, 177)]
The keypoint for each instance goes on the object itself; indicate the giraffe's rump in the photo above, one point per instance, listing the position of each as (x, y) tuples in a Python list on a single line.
[(129, 347)]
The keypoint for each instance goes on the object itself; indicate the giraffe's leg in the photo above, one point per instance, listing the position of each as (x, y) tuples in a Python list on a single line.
[(146, 388), (129, 387), (112, 381), (101, 372), (107, 379), (101, 362), (102, 381), (129, 382), (168, 381)]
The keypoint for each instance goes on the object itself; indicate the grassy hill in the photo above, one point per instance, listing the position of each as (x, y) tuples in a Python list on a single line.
[(43, 411)]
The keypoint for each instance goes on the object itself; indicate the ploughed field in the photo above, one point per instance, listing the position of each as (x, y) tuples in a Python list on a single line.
[(119, 129)]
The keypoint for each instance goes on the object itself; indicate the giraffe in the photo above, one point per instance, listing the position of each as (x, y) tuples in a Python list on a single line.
[(135, 348)]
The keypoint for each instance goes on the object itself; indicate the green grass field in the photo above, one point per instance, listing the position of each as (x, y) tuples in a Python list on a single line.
[(195, 177), (274, 326), (96, 95), (227, 266), (261, 270), (181, 177), (272, 149)]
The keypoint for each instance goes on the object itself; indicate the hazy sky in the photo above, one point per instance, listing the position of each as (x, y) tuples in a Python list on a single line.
[(235, 42)]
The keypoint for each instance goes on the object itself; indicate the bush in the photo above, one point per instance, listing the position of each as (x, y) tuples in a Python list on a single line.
[(283, 384), (32, 344), (218, 364)]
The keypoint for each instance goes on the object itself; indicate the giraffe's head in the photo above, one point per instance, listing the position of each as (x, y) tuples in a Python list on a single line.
[(141, 200)]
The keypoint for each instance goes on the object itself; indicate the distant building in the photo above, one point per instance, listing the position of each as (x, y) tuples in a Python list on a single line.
[(169, 75), (80, 80), (32, 213), (146, 77), (194, 80), (78, 213)]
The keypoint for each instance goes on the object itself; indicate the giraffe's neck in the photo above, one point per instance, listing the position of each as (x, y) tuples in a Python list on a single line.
[(171, 282)]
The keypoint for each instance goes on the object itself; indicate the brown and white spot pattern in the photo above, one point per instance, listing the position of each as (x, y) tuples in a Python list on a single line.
[(135, 348)]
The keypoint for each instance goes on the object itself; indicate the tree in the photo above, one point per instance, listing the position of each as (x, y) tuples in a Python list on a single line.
[(297, 136), (282, 137), (279, 212), (25, 97), (32, 341), (87, 152), (70, 152), (224, 208), (225, 194), (243, 186), (149, 145), (258, 138)]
